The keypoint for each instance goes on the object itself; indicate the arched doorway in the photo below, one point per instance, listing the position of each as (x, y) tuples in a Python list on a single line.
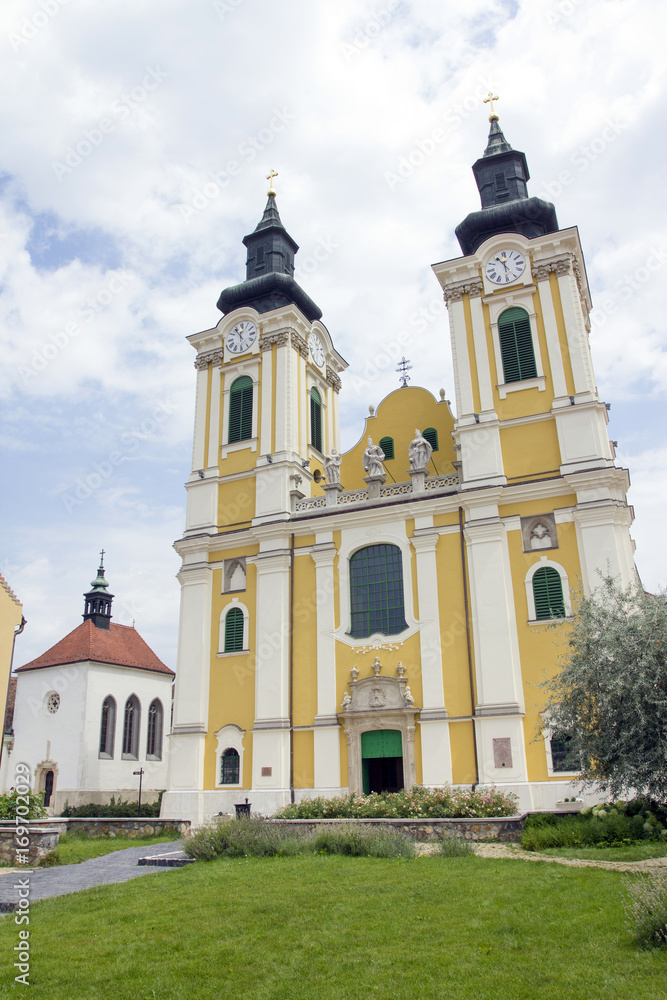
[(48, 787), (382, 761)]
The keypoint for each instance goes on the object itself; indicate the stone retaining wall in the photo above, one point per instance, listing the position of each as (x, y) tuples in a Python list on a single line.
[(505, 828), (102, 826), (43, 838)]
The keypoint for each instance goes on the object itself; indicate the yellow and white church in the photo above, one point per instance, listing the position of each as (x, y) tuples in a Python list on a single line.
[(379, 619)]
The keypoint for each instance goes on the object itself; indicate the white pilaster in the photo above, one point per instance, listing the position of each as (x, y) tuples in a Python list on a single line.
[(462, 376), (265, 443), (577, 336), (198, 457), (214, 420), (272, 639), (554, 348), (481, 351)]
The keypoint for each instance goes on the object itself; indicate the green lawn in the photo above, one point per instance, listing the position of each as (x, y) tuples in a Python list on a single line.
[(339, 928), (632, 852), (72, 849)]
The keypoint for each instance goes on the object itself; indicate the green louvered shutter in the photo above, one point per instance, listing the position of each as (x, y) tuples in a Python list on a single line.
[(548, 593), (431, 436), (315, 419), (240, 409), (234, 631), (387, 445), (516, 345)]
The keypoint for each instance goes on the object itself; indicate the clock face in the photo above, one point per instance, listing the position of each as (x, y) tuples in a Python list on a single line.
[(316, 349), (242, 337), (505, 266)]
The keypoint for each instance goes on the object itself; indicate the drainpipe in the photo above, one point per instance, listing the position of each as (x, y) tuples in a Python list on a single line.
[(470, 669), (17, 631), (291, 668)]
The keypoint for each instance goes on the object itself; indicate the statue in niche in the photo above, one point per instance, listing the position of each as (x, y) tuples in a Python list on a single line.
[(407, 695), (420, 452), (332, 466), (540, 537), (373, 458), (347, 701)]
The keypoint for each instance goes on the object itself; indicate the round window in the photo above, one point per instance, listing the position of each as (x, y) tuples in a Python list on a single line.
[(53, 702)]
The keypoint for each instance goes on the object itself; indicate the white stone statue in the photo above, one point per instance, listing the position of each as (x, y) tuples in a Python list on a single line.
[(347, 701), (407, 694), (373, 459), (420, 452), (332, 466)]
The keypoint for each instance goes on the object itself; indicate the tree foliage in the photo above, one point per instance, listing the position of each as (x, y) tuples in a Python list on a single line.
[(610, 696)]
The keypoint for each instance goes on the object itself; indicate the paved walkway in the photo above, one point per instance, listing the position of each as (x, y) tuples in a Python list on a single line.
[(513, 851), (119, 866)]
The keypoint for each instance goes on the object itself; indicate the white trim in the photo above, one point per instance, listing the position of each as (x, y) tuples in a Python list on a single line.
[(547, 734), (234, 603), (230, 737), (544, 561), (526, 383)]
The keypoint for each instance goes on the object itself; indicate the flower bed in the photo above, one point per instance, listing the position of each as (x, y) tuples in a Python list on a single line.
[(418, 803)]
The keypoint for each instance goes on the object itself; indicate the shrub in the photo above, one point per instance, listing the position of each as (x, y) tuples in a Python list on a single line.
[(606, 825), (10, 801), (361, 842), (118, 809), (646, 908), (418, 803), (238, 838), (453, 847)]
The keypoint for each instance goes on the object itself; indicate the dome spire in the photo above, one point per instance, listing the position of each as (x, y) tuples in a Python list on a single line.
[(97, 608)]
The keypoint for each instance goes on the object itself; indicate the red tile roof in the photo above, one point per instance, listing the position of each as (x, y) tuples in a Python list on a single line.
[(119, 644)]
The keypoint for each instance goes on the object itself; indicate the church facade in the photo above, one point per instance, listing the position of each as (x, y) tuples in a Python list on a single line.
[(379, 619)]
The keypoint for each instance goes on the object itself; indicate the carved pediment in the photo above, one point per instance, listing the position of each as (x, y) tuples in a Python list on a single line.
[(378, 693)]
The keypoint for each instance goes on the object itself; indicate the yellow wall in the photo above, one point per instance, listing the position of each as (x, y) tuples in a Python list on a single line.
[(11, 613)]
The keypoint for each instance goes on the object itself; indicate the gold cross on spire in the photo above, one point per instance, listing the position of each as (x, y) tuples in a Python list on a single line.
[(489, 100), (271, 174)]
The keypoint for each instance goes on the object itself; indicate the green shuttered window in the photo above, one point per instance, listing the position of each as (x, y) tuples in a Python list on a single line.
[(240, 409), (234, 631), (315, 419), (431, 436), (548, 593), (376, 591), (516, 345), (387, 445)]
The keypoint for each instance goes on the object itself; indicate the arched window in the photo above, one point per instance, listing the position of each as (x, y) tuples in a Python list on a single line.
[(131, 722), (516, 345), (376, 591), (107, 727), (234, 631), (548, 593), (431, 436), (240, 409), (315, 419), (229, 767), (154, 734), (387, 445), (560, 751)]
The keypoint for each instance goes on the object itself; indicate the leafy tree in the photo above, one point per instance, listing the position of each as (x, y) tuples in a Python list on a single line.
[(610, 696)]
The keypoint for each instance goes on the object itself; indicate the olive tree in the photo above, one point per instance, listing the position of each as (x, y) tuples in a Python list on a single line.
[(609, 698)]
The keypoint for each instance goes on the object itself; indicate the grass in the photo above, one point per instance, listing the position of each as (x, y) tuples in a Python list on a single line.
[(326, 927), (73, 849), (631, 852)]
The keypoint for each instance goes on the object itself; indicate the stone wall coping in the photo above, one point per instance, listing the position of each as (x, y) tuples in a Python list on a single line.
[(412, 821), (10, 827)]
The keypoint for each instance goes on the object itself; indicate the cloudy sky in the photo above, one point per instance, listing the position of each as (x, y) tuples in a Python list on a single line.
[(136, 139)]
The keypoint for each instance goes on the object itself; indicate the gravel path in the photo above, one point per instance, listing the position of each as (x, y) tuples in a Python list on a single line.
[(119, 866), (515, 852)]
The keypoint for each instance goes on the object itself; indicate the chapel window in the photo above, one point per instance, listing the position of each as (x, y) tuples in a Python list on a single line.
[(154, 735), (234, 623), (560, 745), (230, 767), (516, 345), (548, 593), (107, 727), (131, 721), (315, 419), (376, 591)]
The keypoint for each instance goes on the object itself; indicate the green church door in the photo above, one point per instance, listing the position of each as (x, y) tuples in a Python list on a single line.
[(382, 761)]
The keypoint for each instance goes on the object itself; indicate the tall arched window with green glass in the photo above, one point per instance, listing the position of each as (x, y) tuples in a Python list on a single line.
[(315, 419), (548, 593), (240, 409), (234, 623), (376, 591), (516, 345)]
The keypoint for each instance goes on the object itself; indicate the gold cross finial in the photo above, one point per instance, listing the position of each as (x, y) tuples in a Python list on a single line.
[(271, 174), (489, 100)]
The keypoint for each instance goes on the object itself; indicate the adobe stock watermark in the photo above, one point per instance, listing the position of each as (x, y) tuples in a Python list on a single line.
[(368, 32), (93, 138), (85, 486), (585, 155), (22, 776), (422, 149), (225, 7), (115, 283), (322, 251), (31, 26), (246, 151), (561, 10)]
